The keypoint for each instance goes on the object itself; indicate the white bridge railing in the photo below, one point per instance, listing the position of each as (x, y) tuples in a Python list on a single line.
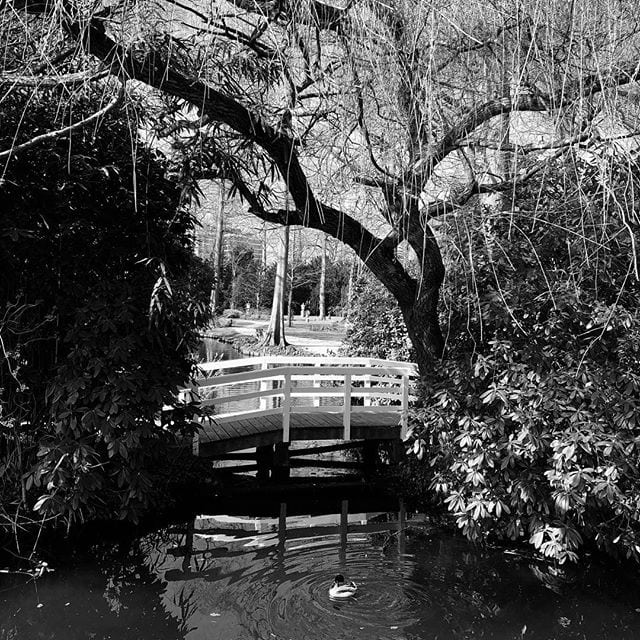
[(329, 384)]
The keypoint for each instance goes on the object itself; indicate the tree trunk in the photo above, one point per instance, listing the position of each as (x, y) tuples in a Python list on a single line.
[(323, 279), (263, 265), (424, 331), (274, 335), (350, 285), (234, 283), (379, 254), (217, 253)]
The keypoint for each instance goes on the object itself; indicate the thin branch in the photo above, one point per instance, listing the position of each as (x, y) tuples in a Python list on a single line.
[(52, 135), (528, 148), (43, 82), (324, 16), (50, 64)]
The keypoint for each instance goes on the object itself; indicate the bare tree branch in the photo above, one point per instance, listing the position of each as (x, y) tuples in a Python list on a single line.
[(52, 135), (44, 82)]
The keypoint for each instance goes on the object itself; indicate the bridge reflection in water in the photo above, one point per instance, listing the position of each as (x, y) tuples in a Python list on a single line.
[(210, 540)]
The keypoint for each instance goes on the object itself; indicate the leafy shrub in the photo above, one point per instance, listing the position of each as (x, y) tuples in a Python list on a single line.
[(95, 247), (531, 427), (375, 328)]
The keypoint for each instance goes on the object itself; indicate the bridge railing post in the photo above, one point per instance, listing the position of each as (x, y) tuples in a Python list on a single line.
[(347, 407), (286, 408), (316, 385), (367, 385), (404, 420), (264, 386)]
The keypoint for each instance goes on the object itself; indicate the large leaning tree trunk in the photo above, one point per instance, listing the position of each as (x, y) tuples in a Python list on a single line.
[(409, 104), (274, 335)]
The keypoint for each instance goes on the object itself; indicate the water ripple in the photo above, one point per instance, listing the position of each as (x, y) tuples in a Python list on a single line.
[(289, 598)]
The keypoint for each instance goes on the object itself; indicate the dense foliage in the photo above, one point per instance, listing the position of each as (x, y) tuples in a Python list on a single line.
[(375, 325), (531, 428), (98, 314)]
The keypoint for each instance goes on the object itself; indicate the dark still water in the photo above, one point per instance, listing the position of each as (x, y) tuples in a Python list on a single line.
[(242, 577), (211, 349)]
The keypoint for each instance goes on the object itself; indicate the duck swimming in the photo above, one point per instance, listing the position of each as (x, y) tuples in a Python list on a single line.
[(340, 589)]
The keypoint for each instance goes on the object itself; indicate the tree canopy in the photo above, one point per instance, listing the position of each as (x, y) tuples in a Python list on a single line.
[(479, 157), (376, 119)]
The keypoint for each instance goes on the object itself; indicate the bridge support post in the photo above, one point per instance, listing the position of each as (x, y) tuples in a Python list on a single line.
[(344, 529), (281, 469), (264, 459), (398, 451), (369, 456)]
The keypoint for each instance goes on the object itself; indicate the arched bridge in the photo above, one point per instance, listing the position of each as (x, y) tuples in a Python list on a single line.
[(273, 400)]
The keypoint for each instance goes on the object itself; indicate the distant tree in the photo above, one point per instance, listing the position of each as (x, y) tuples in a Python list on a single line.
[(240, 275), (275, 334), (322, 284), (217, 252)]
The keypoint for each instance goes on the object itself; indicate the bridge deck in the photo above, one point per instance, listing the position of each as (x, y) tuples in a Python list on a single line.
[(244, 432)]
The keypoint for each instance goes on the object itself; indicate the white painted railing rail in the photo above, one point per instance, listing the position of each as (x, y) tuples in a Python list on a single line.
[(277, 381)]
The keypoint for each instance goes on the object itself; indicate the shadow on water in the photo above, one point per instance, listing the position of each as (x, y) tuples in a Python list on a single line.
[(236, 575)]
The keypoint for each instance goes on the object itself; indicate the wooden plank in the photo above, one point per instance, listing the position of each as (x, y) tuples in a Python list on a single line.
[(221, 446), (243, 428), (325, 464), (234, 429), (230, 417), (311, 371), (332, 419), (304, 420), (342, 446), (240, 397), (327, 409), (224, 430), (296, 360), (275, 421), (379, 392), (317, 433), (254, 424)]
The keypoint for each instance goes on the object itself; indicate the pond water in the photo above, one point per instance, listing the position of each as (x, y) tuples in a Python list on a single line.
[(245, 577), (211, 349)]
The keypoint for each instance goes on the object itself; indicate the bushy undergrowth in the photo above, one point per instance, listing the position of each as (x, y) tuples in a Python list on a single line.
[(529, 429), (531, 426), (100, 304), (375, 328)]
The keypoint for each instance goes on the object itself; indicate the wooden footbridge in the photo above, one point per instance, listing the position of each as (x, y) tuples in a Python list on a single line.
[(270, 401)]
